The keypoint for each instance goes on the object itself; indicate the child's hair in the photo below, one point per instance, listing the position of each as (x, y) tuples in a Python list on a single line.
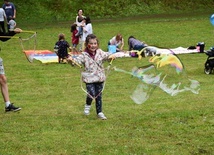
[(90, 36), (119, 37), (61, 36), (87, 20), (73, 27)]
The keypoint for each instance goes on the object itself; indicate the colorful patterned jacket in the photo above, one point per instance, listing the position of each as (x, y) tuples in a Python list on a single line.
[(94, 70)]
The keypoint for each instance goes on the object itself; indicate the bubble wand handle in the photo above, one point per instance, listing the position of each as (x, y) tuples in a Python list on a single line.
[(74, 62), (111, 62)]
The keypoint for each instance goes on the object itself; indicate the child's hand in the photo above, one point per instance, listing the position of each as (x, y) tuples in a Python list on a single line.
[(112, 56), (70, 49), (17, 30), (69, 58)]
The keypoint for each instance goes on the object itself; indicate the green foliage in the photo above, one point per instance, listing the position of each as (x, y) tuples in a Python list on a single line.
[(64, 10)]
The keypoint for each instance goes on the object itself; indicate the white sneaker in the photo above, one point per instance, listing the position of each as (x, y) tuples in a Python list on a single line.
[(87, 109), (101, 116)]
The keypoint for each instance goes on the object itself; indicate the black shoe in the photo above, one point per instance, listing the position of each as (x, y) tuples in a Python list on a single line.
[(11, 107)]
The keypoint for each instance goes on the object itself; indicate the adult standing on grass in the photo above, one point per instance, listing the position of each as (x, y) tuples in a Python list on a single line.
[(9, 9), (79, 22), (3, 18), (93, 76), (3, 80), (80, 34)]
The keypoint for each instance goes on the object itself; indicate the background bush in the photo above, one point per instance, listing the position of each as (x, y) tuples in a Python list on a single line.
[(64, 10)]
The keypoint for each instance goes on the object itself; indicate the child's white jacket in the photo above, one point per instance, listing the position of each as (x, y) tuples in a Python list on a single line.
[(94, 70)]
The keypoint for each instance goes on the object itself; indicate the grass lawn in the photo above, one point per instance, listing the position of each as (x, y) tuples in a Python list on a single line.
[(51, 121)]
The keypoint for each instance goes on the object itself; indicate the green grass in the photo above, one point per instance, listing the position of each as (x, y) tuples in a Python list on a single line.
[(52, 122)]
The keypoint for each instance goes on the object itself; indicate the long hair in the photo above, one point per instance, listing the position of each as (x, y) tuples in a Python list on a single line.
[(119, 37)]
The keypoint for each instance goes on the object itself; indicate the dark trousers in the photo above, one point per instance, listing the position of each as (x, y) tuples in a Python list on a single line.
[(95, 91), (2, 26)]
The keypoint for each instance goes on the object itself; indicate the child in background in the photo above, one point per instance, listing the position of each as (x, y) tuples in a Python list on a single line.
[(93, 76), (74, 37), (11, 23), (81, 37), (61, 48)]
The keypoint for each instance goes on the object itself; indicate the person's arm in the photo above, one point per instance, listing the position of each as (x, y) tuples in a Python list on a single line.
[(5, 17), (130, 46), (122, 44), (14, 16), (69, 47)]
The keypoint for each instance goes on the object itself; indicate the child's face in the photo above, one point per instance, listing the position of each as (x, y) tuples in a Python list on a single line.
[(92, 45)]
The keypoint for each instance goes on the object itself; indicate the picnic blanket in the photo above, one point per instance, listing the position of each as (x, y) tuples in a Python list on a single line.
[(156, 50), (45, 56)]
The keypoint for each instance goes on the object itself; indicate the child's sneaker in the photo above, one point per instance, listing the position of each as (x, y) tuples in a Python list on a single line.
[(11, 107), (101, 116), (87, 109)]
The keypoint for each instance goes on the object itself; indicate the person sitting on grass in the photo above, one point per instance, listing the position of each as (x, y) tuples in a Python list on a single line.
[(118, 41), (61, 48)]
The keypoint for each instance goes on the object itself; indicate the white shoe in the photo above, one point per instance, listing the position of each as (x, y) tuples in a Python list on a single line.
[(101, 116), (87, 109)]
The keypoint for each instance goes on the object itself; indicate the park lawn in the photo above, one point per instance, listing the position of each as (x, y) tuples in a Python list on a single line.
[(52, 122)]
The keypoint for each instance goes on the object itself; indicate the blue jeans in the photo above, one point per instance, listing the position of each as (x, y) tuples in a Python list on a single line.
[(95, 90), (139, 47)]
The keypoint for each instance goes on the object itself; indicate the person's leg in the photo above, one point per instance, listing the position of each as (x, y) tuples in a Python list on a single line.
[(138, 47), (98, 92), (1, 30), (90, 87), (91, 93), (4, 90)]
